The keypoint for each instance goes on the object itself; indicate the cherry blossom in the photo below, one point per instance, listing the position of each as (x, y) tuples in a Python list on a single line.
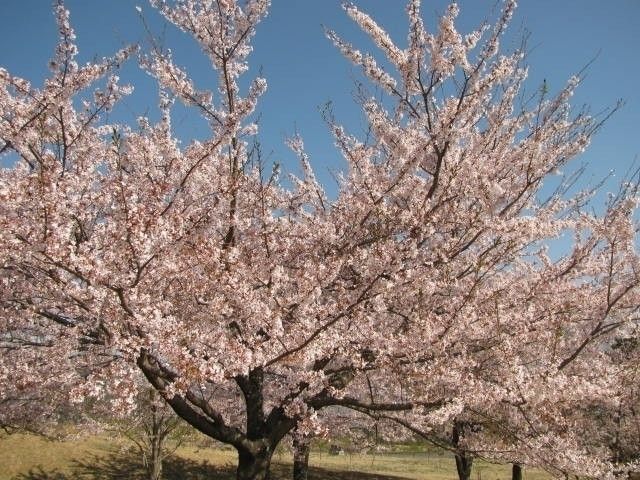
[(421, 296)]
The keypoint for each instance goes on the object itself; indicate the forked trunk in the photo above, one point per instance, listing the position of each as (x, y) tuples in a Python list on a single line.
[(254, 465), (301, 449)]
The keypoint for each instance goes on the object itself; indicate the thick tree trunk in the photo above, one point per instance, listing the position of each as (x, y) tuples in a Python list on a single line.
[(301, 449), (516, 472), (263, 432), (463, 465), (464, 461), (254, 466)]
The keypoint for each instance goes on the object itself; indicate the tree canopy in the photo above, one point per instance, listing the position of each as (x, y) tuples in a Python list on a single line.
[(422, 294)]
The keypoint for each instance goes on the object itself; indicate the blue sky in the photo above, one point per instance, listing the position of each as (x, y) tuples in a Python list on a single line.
[(304, 70)]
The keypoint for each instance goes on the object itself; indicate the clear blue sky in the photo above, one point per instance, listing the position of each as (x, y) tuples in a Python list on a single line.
[(304, 70)]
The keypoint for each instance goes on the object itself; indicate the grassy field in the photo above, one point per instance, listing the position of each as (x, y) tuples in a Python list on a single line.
[(24, 457)]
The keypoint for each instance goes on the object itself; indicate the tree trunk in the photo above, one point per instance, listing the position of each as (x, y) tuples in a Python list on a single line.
[(256, 446), (154, 466), (464, 461), (301, 449), (254, 465), (516, 472), (463, 465)]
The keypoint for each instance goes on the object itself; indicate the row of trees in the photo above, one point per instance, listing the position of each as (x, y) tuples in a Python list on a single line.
[(422, 296)]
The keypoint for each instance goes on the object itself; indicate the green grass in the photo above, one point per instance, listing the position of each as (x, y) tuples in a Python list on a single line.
[(26, 457), (427, 466)]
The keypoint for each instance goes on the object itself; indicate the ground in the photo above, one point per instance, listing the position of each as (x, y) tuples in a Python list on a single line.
[(25, 457)]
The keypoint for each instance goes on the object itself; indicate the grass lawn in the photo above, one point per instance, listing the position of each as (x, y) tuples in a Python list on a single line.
[(25, 457)]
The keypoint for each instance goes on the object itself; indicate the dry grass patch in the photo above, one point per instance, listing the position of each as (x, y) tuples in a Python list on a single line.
[(26, 457)]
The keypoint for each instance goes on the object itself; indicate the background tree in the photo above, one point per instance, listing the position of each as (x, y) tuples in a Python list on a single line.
[(155, 431)]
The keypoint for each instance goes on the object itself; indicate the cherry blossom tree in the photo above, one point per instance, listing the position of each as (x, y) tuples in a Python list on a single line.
[(591, 290), (422, 291)]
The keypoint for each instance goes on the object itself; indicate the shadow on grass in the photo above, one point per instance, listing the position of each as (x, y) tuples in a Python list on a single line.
[(324, 474), (127, 466)]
